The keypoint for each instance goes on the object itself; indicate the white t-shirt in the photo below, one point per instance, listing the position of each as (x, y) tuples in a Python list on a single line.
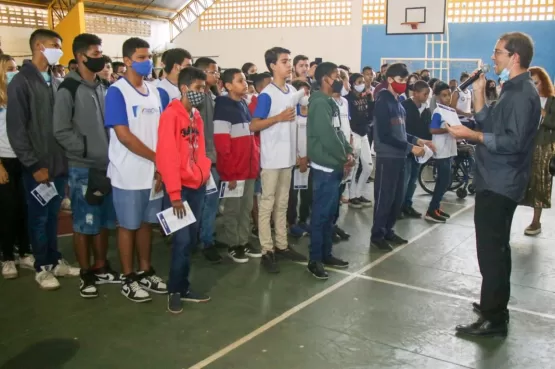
[(141, 113), (168, 92), (342, 121), (278, 143), (464, 103), (446, 145), (6, 150)]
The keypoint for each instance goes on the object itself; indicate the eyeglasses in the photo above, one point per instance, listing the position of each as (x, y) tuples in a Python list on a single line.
[(497, 52), (213, 72)]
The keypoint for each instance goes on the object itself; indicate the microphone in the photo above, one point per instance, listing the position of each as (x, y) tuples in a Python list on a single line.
[(463, 86)]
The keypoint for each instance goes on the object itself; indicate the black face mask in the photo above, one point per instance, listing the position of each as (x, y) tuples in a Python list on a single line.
[(426, 78), (95, 65), (337, 86), (452, 88), (410, 86)]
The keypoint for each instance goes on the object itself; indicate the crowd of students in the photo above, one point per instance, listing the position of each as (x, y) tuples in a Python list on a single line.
[(297, 139)]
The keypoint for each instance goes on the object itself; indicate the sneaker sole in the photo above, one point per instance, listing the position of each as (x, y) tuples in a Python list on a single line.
[(88, 296), (239, 261), (196, 301), (49, 288), (253, 255), (429, 219), (148, 299), (101, 282), (154, 291), (533, 233), (337, 266), (10, 276), (175, 312)]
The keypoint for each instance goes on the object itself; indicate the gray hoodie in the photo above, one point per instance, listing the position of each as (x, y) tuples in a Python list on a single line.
[(79, 122), (207, 113)]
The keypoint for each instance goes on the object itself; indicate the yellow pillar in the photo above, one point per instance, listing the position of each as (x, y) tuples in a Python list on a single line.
[(72, 25)]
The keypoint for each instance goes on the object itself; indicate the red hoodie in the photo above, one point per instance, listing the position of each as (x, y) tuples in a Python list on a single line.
[(180, 153)]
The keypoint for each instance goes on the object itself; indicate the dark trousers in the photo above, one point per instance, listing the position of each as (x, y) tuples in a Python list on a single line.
[(493, 217), (184, 240), (13, 216), (43, 222), (412, 169), (389, 188), (324, 203), (304, 206), (443, 167)]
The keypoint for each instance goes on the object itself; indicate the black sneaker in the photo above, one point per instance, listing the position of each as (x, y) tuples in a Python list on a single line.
[(411, 213), (434, 216), (254, 232), (382, 245), (334, 262), (87, 288), (291, 254), (444, 214), (237, 254), (106, 275), (400, 216), (151, 282), (395, 240), (269, 262), (365, 202), (355, 204), (212, 255), (317, 270), (191, 296), (341, 233), (175, 305), (252, 251), (131, 289), (335, 238)]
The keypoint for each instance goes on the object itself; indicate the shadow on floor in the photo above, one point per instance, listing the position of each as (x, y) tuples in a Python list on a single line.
[(48, 354)]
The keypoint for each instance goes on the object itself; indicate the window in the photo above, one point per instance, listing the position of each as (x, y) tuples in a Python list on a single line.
[(15, 16), (116, 25), (250, 14), (373, 11), (476, 11)]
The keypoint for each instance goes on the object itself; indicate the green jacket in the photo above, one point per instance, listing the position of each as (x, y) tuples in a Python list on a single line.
[(326, 145)]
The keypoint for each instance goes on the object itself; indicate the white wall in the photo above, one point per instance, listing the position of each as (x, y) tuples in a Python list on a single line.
[(15, 40), (341, 44)]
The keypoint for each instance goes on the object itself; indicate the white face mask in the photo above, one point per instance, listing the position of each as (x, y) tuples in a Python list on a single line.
[(344, 91), (303, 101), (360, 88), (52, 55), (543, 100)]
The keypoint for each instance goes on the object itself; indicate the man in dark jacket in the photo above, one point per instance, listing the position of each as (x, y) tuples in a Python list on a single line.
[(79, 129), (329, 153), (29, 125), (417, 124)]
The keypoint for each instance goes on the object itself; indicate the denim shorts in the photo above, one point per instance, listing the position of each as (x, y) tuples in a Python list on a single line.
[(88, 219), (133, 208)]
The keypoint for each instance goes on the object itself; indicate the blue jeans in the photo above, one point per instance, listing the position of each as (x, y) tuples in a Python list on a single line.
[(443, 168), (43, 222), (325, 197), (412, 168), (183, 240), (209, 212)]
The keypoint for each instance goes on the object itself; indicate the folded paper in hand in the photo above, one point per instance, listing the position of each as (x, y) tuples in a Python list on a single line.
[(236, 192), (171, 223), (427, 155)]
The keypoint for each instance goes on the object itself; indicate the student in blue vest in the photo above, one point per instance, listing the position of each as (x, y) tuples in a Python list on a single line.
[(132, 115), (174, 61)]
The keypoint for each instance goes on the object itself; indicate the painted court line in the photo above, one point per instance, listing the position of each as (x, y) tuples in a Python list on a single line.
[(226, 350)]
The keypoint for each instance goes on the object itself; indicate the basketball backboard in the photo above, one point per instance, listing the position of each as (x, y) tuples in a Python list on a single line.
[(408, 17)]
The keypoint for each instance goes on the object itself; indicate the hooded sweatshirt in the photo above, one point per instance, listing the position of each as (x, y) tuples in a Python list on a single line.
[(180, 153), (360, 112), (79, 121), (29, 121), (327, 146)]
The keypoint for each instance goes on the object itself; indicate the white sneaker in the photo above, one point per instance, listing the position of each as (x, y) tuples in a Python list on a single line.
[(63, 269), (9, 271), (46, 279), (27, 262)]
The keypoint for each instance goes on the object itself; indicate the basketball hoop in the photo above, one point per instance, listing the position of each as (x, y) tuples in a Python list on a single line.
[(413, 25)]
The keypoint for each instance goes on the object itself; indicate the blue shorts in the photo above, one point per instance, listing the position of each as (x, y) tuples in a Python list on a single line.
[(133, 208), (88, 219)]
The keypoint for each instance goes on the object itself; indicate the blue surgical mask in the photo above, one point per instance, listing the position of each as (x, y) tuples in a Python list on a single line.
[(10, 75), (46, 76), (505, 74), (143, 68)]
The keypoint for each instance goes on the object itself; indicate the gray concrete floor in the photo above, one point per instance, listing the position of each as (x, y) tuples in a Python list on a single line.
[(396, 310)]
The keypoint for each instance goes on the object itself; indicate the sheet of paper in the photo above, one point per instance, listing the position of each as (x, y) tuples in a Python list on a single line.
[(211, 186), (153, 194), (171, 223), (427, 155), (44, 193), (449, 115), (236, 192), (300, 180)]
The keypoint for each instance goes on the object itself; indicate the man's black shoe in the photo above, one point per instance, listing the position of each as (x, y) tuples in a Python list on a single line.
[(317, 270), (395, 240), (382, 245), (478, 310), (483, 328), (341, 233), (411, 213)]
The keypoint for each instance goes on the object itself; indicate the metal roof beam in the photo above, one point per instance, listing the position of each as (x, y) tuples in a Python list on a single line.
[(186, 16), (131, 5)]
